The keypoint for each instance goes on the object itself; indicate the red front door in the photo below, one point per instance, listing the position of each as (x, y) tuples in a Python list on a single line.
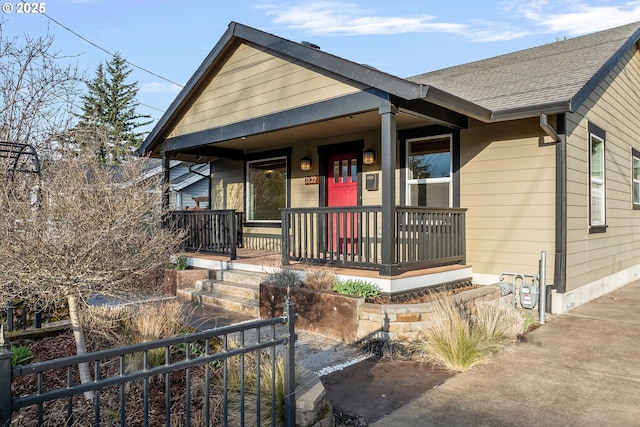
[(342, 190)]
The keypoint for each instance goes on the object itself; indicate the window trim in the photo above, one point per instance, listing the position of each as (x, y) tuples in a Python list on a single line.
[(635, 154), (598, 134), (411, 181)]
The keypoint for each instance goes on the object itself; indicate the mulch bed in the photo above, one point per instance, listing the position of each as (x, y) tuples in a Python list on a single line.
[(63, 345)]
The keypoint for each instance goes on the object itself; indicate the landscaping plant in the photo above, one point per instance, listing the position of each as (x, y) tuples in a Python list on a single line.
[(20, 355), (359, 288), (285, 277), (460, 341), (320, 279)]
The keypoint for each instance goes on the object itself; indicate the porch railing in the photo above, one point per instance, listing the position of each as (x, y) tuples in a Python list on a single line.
[(203, 364), (352, 237), (214, 231)]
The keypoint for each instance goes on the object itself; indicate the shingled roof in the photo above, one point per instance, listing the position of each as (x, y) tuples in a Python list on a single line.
[(556, 76)]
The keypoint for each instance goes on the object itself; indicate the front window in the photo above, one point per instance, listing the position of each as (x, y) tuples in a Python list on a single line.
[(266, 189), (597, 178), (635, 178), (429, 172)]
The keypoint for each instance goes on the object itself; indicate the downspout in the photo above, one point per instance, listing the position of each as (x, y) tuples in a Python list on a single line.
[(546, 127)]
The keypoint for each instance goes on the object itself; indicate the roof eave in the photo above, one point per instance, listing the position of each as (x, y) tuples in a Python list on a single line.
[(455, 103)]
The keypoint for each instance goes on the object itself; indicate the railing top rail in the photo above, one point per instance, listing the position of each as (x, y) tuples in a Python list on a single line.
[(374, 208), (428, 209), (121, 351), (204, 211)]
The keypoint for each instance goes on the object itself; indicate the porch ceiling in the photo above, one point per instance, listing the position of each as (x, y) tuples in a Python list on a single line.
[(342, 127)]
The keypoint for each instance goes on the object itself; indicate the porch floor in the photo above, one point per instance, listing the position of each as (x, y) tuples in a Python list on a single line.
[(269, 259)]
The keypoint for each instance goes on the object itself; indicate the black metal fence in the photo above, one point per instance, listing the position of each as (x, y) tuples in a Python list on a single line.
[(233, 375), (214, 231), (16, 316)]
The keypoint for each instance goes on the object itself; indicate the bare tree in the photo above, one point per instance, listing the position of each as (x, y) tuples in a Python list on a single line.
[(37, 91), (95, 229)]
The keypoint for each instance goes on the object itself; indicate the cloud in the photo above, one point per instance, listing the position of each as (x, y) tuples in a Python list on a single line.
[(574, 18), (513, 19), (333, 18), (157, 87)]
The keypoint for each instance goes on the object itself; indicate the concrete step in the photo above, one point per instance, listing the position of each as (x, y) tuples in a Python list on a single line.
[(250, 306), (242, 290), (242, 276)]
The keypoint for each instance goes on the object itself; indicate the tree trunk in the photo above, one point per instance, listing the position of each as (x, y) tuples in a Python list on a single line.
[(81, 346)]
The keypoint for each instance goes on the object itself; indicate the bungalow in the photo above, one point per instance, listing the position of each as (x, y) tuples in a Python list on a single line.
[(482, 165)]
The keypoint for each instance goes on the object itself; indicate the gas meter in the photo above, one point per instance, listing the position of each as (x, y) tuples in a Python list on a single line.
[(529, 295)]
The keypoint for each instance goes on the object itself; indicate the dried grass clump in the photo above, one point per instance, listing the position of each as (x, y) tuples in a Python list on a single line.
[(320, 279), (459, 341)]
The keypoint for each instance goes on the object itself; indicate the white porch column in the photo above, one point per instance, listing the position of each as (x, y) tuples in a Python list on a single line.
[(388, 166)]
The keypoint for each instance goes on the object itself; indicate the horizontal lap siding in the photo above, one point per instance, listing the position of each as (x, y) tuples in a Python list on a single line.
[(255, 82), (508, 187), (615, 107)]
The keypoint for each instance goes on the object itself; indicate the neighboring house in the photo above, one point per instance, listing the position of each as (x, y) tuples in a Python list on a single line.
[(538, 150), (188, 184)]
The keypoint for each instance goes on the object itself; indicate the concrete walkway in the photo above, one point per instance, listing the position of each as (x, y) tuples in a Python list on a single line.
[(580, 369)]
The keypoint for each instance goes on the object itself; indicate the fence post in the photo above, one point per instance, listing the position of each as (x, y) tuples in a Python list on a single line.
[(290, 366), (5, 381)]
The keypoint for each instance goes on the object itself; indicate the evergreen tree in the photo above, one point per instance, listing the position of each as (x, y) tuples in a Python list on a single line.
[(109, 119)]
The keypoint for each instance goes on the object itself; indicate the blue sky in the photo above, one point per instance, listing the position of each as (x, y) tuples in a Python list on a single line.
[(171, 38)]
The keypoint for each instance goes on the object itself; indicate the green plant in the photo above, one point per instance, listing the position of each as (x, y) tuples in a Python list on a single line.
[(20, 355), (359, 288), (285, 277), (320, 279), (181, 262)]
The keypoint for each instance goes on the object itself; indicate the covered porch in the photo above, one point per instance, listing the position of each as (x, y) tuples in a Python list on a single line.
[(340, 236)]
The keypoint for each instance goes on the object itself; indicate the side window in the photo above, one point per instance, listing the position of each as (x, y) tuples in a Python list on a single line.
[(635, 177), (597, 183)]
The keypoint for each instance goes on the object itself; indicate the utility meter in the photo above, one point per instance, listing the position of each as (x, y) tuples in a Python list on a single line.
[(529, 295)]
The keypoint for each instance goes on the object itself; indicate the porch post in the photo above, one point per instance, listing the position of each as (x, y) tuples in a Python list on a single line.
[(388, 168), (166, 179)]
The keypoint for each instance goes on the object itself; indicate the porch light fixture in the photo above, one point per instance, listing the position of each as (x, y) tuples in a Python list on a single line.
[(305, 164), (368, 156)]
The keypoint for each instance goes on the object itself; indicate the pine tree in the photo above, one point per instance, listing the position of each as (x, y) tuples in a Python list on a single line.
[(109, 120)]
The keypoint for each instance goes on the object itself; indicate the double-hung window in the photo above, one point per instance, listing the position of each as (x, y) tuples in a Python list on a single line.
[(429, 172), (266, 189), (597, 183)]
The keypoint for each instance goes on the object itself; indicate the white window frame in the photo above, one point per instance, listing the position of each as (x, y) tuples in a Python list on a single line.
[(249, 190), (444, 180)]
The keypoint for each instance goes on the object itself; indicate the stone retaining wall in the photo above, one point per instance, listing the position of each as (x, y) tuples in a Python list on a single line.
[(406, 321)]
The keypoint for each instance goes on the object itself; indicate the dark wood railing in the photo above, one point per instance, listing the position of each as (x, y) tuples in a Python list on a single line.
[(214, 231), (352, 237)]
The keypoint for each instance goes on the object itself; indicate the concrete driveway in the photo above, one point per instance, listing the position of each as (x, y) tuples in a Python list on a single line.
[(580, 369)]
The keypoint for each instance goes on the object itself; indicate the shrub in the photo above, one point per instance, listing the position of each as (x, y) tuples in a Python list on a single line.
[(181, 262), (459, 341), (320, 279), (359, 288), (20, 355), (285, 277)]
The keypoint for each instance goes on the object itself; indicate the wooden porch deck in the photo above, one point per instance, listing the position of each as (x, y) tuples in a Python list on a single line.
[(266, 259)]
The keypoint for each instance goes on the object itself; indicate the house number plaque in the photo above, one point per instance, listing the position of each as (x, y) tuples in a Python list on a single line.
[(310, 180)]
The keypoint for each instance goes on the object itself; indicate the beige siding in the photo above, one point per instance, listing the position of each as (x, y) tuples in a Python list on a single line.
[(508, 186), (227, 185), (615, 107), (255, 82)]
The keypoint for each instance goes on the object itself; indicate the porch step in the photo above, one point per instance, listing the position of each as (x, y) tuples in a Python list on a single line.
[(242, 290), (250, 306), (235, 290)]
